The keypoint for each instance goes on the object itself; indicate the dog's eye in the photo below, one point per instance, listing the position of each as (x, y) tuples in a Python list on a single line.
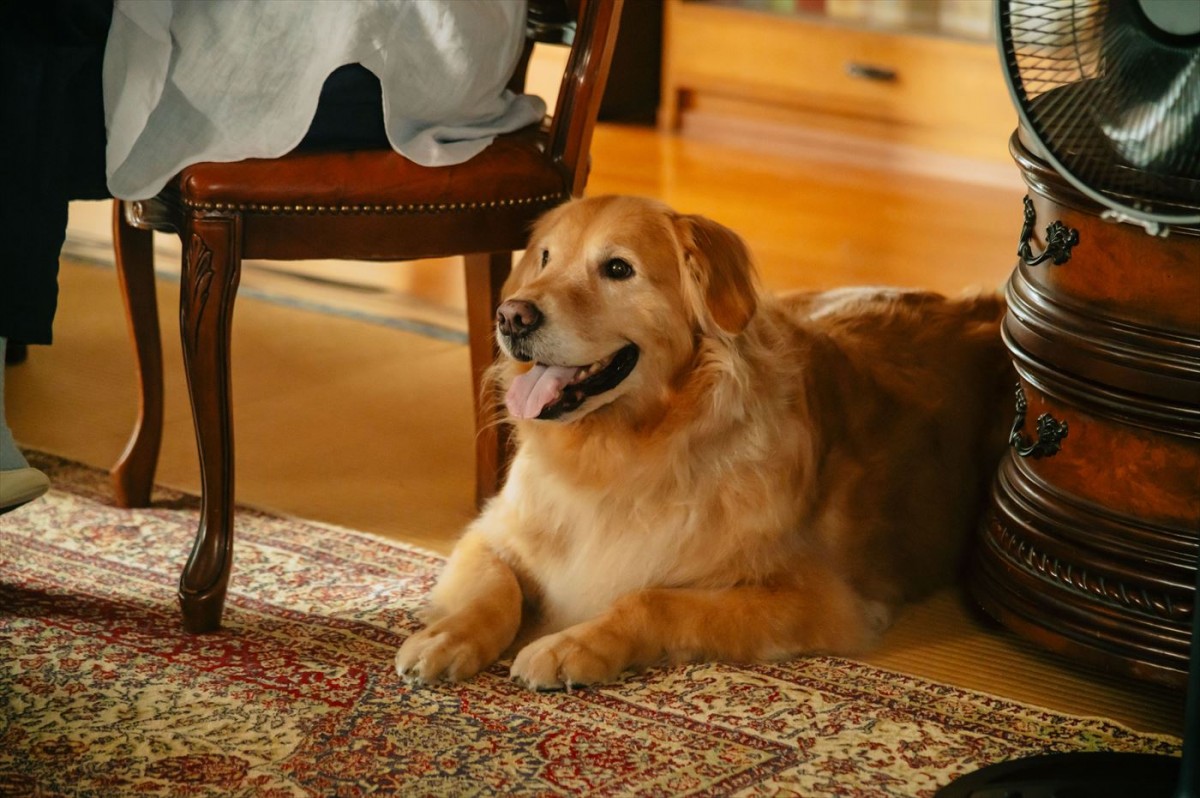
[(545, 257), (617, 269)]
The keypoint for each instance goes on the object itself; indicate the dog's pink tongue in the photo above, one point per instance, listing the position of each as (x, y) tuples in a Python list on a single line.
[(536, 388)]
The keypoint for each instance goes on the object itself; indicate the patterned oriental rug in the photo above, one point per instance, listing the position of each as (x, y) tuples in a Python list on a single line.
[(101, 694)]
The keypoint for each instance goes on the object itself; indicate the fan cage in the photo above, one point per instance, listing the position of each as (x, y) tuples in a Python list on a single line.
[(1116, 110)]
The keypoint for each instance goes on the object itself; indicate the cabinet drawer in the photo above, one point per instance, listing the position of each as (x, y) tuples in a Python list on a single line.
[(943, 85)]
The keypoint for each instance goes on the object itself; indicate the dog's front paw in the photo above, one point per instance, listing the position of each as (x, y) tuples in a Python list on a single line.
[(565, 660), (442, 652)]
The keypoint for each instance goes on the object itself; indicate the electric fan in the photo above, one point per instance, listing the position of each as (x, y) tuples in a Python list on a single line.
[(1108, 94)]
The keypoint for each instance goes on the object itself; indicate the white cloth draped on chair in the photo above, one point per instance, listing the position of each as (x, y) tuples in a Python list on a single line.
[(187, 82)]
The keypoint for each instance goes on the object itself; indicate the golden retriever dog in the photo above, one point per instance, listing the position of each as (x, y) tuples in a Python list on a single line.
[(707, 472)]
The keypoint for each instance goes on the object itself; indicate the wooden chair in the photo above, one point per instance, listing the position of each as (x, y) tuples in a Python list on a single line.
[(360, 205)]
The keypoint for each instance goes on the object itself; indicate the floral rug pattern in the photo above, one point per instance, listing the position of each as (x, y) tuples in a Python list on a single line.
[(102, 694)]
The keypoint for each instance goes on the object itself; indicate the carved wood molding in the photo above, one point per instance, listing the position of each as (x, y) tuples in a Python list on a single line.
[(1073, 576), (197, 285)]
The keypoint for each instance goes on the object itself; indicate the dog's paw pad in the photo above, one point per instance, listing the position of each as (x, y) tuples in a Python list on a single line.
[(560, 662), (878, 616), (409, 674), (433, 655)]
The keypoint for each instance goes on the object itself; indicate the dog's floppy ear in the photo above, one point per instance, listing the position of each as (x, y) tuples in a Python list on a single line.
[(718, 261)]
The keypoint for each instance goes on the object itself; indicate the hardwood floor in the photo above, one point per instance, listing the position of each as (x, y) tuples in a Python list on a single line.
[(352, 422), (823, 221)]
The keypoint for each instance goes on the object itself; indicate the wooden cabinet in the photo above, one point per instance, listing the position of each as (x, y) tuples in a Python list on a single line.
[(1091, 539), (738, 66)]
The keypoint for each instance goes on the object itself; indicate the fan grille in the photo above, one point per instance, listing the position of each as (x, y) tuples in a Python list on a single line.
[(1117, 108)]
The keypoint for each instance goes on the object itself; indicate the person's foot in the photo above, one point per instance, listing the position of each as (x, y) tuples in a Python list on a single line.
[(19, 483), (20, 486)]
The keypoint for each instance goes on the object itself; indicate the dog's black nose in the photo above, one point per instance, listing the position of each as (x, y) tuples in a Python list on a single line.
[(517, 318)]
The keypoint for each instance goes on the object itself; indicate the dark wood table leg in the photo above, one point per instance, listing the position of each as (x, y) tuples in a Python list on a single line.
[(485, 276), (133, 474), (211, 268)]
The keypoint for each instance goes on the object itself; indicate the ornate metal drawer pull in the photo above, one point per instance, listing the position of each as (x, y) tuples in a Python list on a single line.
[(1050, 432), (1059, 240), (879, 74)]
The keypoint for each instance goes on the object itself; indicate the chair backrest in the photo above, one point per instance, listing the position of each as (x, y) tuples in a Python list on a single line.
[(592, 39)]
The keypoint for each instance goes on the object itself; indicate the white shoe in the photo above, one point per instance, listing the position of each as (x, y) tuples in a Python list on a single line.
[(21, 485)]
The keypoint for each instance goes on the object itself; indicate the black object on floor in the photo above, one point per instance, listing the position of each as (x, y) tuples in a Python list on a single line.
[(15, 352)]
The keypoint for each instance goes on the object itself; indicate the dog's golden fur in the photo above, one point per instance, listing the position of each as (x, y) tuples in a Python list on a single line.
[(776, 476)]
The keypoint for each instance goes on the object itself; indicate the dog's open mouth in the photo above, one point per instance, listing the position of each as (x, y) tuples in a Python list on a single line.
[(547, 392)]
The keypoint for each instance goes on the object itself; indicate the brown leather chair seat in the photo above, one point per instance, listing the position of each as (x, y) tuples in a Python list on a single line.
[(368, 204)]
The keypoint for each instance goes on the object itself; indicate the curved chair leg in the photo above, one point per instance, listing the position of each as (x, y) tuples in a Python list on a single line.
[(211, 268), (133, 474), (485, 276)]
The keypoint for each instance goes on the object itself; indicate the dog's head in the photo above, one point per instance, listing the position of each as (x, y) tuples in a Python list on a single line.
[(610, 302)]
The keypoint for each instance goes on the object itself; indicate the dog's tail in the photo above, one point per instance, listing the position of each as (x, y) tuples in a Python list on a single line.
[(984, 305)]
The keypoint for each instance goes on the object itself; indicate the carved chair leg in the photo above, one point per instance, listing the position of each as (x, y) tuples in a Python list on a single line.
[(211, 268), (485, 276), (133, 474)]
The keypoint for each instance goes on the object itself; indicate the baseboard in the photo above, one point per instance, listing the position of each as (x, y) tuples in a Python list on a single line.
[(840, 147)]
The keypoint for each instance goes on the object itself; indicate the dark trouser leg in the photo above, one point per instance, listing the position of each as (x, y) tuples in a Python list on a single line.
[(52, 137)]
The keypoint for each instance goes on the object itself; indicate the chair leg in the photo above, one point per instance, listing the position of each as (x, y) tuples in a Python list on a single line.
[(211, 268), (485, 276), (133, 474)]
